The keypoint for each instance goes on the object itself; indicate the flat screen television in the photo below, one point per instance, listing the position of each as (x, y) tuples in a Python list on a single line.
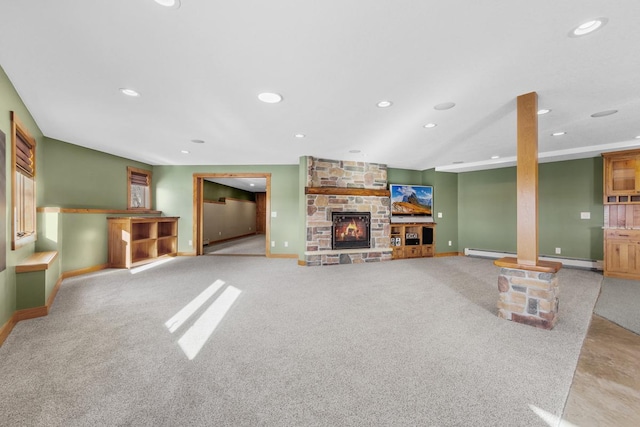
[(411, 203)]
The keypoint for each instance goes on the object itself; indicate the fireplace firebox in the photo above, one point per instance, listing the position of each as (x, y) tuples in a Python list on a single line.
[(351, 230)]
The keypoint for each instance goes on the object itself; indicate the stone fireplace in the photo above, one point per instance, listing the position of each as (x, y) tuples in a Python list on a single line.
[(350, 230), (334, 189)]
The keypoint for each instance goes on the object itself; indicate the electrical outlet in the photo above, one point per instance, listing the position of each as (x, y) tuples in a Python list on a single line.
[(558, 251), (273, 244), (219, 233), (585, 215), (449, 242), (190, 242), (274, 214), (286, 244)]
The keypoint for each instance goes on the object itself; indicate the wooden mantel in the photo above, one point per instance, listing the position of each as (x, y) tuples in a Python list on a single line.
[(344, 191)]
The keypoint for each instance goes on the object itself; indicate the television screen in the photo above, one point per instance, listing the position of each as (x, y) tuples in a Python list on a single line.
[(411, 200)]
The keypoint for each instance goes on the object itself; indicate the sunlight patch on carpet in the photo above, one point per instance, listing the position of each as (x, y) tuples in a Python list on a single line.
[(549, 418), (149, 266), (187, 311), (197, 335)]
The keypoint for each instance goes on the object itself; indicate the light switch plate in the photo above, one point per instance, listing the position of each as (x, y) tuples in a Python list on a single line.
[(439, 214), (585, 215)]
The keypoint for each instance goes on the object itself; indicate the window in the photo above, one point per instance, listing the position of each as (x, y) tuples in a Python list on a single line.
[(139, 188), (23, 196)]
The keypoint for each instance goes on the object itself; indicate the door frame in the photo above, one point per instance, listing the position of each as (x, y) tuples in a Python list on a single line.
[(198, 205)]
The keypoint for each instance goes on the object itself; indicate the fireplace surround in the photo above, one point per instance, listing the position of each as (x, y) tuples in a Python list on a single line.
[(339, 187)]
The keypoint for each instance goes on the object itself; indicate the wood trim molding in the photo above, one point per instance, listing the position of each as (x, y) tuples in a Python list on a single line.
[(541, 266), (98, 211), (198, 202), (443, 254), (342, 191), (302, 263), (6, 329), (86, 270), (282, 256), (31, 313), (187, 254)]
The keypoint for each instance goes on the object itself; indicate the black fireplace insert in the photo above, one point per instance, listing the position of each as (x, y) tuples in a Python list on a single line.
[(351, 230)]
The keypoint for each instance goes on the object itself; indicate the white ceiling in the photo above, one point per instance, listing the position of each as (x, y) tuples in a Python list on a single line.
[(199, 69)]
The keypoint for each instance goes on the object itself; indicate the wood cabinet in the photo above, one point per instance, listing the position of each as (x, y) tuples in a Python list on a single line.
[(622, 253), (135, 241), (413, 240), (622, 177)]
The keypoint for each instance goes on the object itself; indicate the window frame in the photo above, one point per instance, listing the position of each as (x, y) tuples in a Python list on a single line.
[(23, 190), (137, 171)]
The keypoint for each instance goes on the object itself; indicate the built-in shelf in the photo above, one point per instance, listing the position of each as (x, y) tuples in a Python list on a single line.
[(413, 240), (138, 240)]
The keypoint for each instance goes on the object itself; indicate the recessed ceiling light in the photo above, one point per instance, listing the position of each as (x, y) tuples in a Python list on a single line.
[(604, 113), (197, 141), (129, 92), (444, 106), (270, 97), (495, 157), (252, 184), (385, 104), (588, 27), (174, 4), (558, 133), (430, 125), (543, 111), (354, 151), (638, 137), (184, 151), (299, 135)]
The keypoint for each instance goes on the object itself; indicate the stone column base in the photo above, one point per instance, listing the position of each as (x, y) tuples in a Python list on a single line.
[(529, 297)]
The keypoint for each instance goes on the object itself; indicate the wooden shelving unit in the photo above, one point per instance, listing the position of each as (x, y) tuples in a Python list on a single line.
[(135, 241), (622, 214), (413, 240)]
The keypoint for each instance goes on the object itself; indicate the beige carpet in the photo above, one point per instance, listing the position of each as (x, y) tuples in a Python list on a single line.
[(248, 341)]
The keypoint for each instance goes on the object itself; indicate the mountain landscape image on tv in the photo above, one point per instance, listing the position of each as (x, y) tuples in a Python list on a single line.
[(411, 199)]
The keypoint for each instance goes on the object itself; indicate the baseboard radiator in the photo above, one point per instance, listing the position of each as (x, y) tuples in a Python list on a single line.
[(591, 264)]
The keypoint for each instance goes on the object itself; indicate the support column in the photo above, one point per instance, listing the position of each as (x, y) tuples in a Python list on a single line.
[(528, 287)]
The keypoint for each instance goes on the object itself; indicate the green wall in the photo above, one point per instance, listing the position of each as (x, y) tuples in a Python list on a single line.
[(487, 209), (445, 202), (10, 101), (77, 177), (174, 197), (215, 191)]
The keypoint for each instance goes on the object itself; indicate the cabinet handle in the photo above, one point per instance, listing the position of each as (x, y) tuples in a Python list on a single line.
[(623, 235)]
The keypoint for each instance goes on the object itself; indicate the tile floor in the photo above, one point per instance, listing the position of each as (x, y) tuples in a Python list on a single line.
[(606, 385)]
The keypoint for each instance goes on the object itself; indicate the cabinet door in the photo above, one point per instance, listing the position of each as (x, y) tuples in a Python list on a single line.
[(622, 175), (622, 256)]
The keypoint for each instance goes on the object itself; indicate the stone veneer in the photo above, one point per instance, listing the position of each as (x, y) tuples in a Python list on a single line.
[(528, 297), (323, 173)]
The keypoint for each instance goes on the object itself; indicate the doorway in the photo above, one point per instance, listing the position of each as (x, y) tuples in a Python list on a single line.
[(236, 180)]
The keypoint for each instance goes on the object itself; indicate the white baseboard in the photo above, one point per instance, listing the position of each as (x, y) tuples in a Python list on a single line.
[(591, 264)]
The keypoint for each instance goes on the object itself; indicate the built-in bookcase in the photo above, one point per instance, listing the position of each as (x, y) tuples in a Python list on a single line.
[(138, 240), (413, 240)]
